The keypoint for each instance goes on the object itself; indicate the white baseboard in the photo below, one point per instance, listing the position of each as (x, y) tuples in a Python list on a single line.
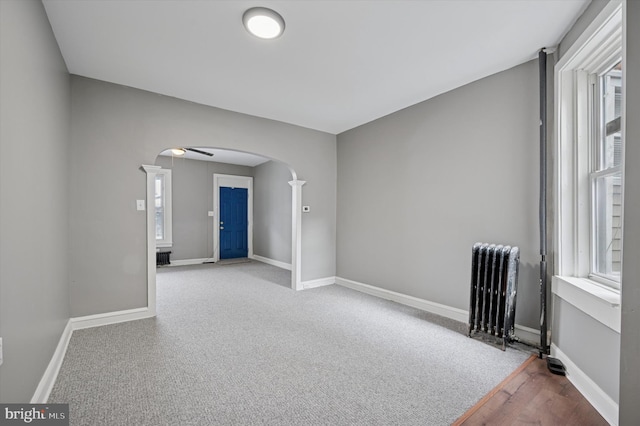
[(527, 334), (272, 262), (524, 333), (187, 262), (107, 318), (602, 402), (433, 307), (318, 283), (50, 375)]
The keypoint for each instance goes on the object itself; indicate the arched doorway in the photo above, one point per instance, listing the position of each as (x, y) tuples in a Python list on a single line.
[(296, 216)]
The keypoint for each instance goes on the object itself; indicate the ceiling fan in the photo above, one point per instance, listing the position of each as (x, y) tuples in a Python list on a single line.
[(182, 151)]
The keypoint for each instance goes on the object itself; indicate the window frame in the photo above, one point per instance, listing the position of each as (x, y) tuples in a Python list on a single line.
[(599, 169), (576, 127), (167, 241)]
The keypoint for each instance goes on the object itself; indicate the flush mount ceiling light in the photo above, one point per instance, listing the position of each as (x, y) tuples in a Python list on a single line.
[(263, 23)]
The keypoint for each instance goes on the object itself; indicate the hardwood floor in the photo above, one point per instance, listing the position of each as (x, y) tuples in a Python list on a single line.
[(532, 395)]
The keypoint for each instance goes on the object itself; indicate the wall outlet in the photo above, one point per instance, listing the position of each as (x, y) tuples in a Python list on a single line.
[(140, 205)]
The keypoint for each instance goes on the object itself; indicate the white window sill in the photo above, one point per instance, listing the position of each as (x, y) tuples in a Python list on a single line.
[(598, 302), (164, 245)]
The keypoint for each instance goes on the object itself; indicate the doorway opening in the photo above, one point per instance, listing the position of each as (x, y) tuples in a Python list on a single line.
[(222, 180)]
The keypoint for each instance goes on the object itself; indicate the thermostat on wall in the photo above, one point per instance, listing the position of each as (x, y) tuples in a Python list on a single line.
[(306, 209)]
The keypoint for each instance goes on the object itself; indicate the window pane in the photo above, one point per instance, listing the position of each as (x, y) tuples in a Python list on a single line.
[(608, 231), (611, 144), (159, 206)]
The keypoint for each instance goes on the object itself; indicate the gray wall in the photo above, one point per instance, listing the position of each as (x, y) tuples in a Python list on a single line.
[(630, 338), (115, 129), (34, 134), (192, 195), (413, 191), (272, 211), (591, 345)]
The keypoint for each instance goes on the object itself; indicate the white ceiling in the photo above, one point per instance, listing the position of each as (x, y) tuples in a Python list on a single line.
[(339, 64)]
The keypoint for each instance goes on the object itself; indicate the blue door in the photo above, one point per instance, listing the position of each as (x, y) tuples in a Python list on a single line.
[(233, 222)]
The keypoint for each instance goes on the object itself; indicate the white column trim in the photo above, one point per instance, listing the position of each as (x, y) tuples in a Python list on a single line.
[(296, 234), (151, 239)]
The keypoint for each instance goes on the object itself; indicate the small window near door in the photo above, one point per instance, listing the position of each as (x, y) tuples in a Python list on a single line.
[(162, 206)]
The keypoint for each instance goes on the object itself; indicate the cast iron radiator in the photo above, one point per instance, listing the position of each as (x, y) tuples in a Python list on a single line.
[(494, 280), (162, 258)]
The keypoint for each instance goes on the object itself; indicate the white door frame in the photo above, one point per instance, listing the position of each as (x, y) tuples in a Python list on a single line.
[(232, 181), (151, 172)]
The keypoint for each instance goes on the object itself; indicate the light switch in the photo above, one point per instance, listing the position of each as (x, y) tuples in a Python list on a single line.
[(210, 214), (140, 204), (306, 209)]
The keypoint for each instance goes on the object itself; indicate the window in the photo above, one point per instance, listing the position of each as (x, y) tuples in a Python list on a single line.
[(589, 108), (162, 192), (606, 177)]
